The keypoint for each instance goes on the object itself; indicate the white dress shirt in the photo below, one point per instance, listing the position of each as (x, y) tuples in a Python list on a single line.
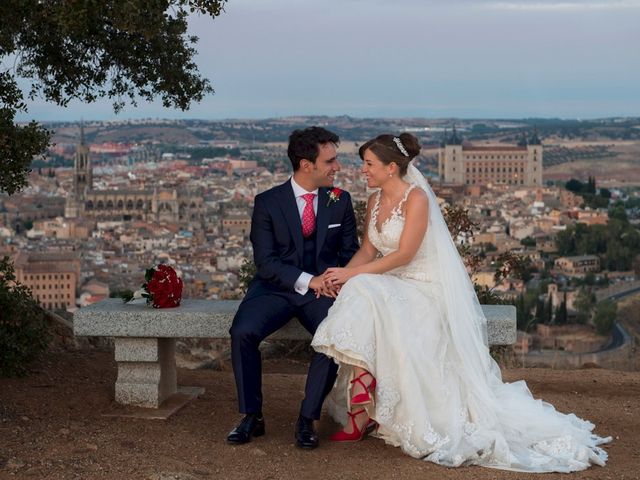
[(302, 283)]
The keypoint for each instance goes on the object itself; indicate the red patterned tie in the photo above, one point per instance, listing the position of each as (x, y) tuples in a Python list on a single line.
[(308, 215)]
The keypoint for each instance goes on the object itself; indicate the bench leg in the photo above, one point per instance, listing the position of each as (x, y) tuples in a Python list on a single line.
[(146, 371)]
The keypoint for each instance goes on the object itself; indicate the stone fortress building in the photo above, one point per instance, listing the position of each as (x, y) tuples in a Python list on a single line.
[(153, 205), (462, 163)]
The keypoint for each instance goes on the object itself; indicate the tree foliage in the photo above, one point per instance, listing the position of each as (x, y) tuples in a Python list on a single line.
[(24, 332), (589, 192), (561, 315), (123, 50), (461, 228), (577, 186), (529, 310), (510, 264), (617, 243), (584, 303), (605, 316)]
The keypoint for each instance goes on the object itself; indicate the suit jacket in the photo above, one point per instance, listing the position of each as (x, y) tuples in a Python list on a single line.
[(276, 236)]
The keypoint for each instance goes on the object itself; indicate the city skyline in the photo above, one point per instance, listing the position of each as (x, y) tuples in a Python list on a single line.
[(432, 59)]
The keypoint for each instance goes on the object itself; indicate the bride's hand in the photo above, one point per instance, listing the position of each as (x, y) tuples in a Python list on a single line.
[(322, 288), (338, 276)]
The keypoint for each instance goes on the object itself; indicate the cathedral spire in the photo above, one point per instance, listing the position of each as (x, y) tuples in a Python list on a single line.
[(82, 142), (443, 142), (523, 142), (83, 177), (535, 139), (455, 139)]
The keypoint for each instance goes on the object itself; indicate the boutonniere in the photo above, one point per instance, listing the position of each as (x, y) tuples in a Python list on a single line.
[(334, 195)]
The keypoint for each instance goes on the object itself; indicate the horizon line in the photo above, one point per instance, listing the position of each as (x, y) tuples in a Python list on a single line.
[(248, 118)]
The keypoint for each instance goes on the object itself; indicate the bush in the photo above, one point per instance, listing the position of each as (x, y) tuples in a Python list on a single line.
[(24, 331), (248, 270), (528, 242), (605, 316)]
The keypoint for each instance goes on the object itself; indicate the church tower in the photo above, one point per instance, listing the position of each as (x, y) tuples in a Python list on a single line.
[(82, 179), (83, 174), (450, 158)]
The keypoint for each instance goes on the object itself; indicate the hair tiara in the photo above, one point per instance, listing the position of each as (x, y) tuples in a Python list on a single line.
[(400, 146)]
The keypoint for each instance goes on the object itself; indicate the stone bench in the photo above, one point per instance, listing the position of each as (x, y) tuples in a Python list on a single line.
[(145, 340)]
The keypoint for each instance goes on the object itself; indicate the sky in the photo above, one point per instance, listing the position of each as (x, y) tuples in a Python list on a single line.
[(407, 58)]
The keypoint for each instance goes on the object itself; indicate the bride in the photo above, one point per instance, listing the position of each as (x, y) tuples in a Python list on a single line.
[(409, 337)]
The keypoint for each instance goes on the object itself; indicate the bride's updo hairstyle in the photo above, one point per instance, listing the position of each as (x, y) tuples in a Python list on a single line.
[(389, 149)]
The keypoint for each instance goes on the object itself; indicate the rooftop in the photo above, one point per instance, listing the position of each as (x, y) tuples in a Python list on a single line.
[(493, 148)]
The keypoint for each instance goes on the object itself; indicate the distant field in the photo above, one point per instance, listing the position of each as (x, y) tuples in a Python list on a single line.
[(612, 163)]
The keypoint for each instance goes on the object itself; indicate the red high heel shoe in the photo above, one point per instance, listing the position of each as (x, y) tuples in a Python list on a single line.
[(365, 397), (357, 434)]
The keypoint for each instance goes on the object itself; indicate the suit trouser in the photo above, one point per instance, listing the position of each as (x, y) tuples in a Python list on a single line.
[(256, 319)]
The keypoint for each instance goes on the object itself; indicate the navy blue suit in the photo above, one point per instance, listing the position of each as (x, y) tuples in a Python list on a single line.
[(281, 254)]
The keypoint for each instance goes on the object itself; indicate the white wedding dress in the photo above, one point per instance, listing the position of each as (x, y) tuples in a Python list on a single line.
[(420, 331)]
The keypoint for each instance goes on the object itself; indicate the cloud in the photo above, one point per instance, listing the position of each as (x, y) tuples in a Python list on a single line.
[(555, 6)]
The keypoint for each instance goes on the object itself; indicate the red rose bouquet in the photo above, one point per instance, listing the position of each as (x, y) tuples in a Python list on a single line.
[(163, 287)]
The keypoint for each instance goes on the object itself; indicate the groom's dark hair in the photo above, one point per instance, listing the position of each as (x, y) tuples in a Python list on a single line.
[(303, 144)]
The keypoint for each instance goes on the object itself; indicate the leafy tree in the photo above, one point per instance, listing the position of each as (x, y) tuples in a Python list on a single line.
[(24, 332), (590, 279), (584, 303), (595, 201), (633, 202), (510, 264), (574, 185), (605, 316), (548, 311), (539, 313), (522, 313), (618, 212), (561, 316), (248, 270), (124, 50), (489, 247), (528, 242), (617, 243), (461, 227)]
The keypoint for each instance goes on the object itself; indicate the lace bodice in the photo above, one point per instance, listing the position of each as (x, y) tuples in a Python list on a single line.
[(387, 240)]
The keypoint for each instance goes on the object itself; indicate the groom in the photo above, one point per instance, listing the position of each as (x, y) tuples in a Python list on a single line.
[(298, 230)]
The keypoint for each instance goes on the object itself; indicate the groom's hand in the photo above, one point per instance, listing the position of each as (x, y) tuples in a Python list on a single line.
[(321, 288)]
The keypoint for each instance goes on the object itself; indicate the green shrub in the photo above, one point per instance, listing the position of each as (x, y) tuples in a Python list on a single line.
[(24, 331), (605, 316), (248, 270)]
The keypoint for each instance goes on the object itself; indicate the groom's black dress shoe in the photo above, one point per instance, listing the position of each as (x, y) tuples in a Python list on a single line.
[(306, 436), (252, 425)]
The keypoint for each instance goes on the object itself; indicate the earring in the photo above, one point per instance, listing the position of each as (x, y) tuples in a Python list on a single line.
[(390, 175)]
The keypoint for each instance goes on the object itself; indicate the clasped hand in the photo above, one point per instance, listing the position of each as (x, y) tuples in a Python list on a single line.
[(330, 282)]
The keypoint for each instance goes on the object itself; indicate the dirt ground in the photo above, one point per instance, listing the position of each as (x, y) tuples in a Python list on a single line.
[(51, 428)]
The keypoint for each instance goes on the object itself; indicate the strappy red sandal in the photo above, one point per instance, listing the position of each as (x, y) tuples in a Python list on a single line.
[(357, 434), (365, 397)]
